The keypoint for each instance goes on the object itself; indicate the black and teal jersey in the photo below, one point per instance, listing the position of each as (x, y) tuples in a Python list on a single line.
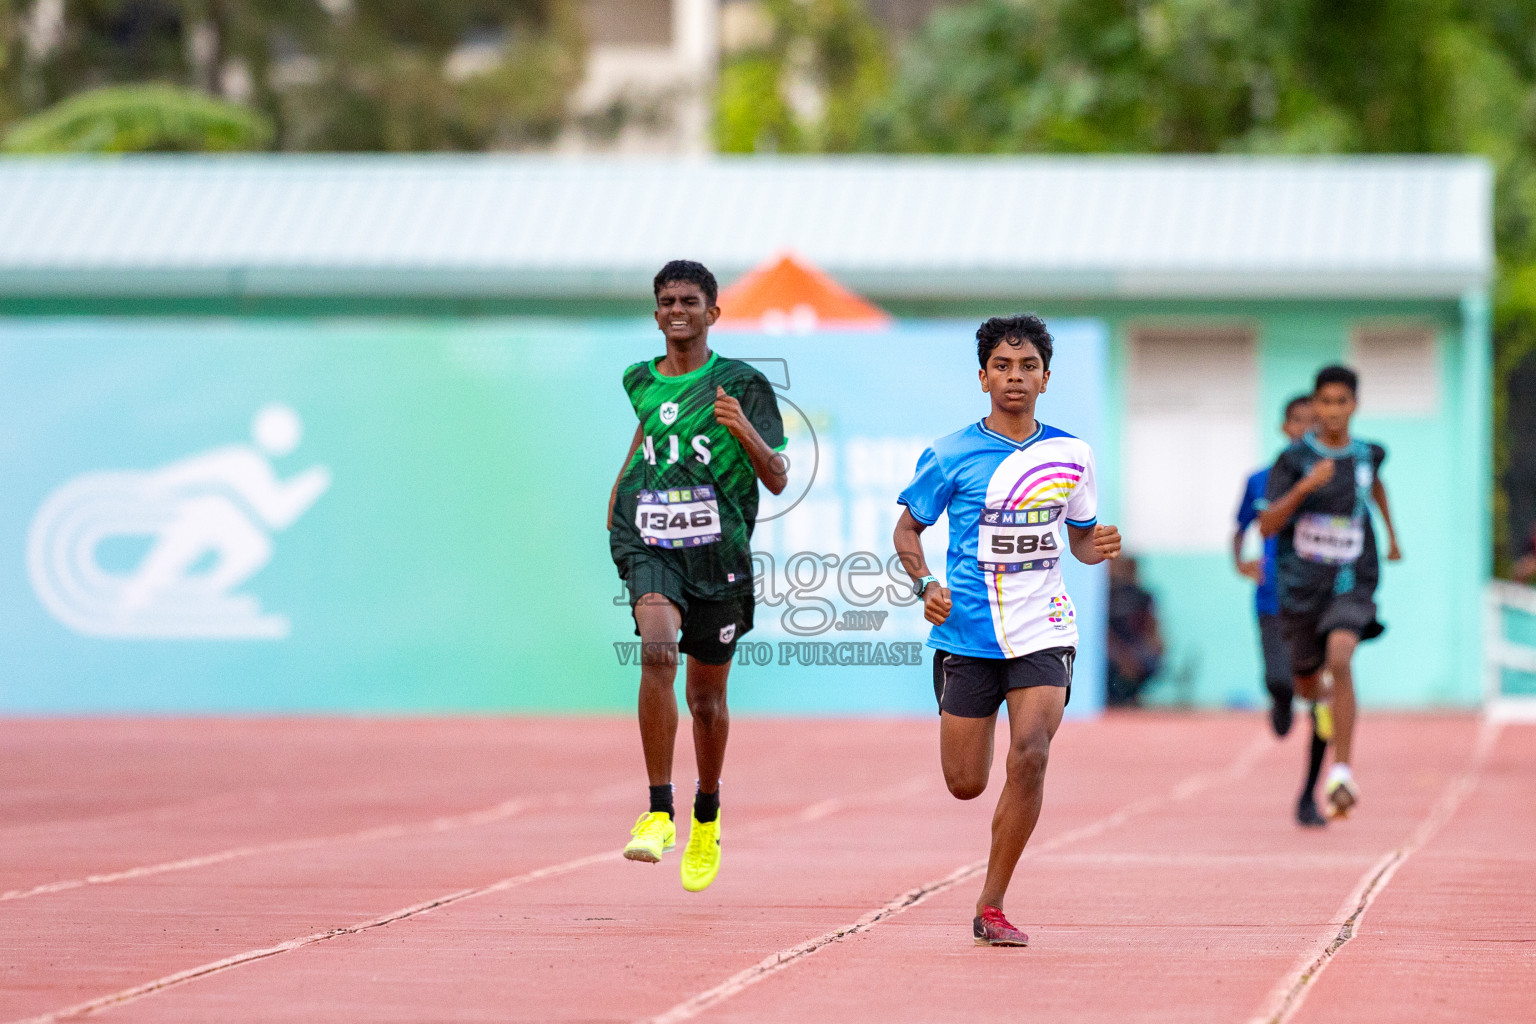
[(689, 495), (1329, 547)]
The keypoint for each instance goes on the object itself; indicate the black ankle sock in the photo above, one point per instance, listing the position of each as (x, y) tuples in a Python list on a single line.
[(706, 806), (661, 799), (1315, 761)]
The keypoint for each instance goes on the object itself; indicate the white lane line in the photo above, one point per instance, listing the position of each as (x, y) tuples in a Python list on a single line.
[(172, 810), (784, 958), (814, 812), (506, 809), (1283, 860), (181, 977), (1288, 995)]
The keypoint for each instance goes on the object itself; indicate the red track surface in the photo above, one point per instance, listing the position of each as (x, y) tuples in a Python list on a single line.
[(217, 870)]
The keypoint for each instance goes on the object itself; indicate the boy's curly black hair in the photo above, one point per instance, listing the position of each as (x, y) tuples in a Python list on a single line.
[(688, 272), (1015, 330)]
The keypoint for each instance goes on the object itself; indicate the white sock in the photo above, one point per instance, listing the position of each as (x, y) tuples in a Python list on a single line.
[(1339, 771)]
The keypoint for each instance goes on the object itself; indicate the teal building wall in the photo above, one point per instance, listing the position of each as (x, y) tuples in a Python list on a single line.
[(1437, 475)]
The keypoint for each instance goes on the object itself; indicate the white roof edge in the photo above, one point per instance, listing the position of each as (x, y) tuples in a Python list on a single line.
[(455, 225), (268, 283)]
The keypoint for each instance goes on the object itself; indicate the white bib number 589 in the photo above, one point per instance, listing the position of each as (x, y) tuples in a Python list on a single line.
[(1018, 540)]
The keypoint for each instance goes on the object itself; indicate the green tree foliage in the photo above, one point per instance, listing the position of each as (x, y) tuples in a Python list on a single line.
[(808, 85), (1295, 76), (140, 119), (1208, 76), (428, 75), (329, 74)]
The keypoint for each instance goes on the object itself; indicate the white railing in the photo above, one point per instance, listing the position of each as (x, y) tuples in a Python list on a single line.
[(1500, 653)]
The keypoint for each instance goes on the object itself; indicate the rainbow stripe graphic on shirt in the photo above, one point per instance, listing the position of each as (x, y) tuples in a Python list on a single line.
[(1047, 484), (1050, 483)]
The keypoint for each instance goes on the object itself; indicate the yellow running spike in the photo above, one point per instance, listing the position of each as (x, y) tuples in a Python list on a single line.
[(1322, 717), (701, 857), (654, 834)]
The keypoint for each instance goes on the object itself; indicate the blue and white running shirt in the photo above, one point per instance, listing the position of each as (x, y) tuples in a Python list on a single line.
[(1007, 502)]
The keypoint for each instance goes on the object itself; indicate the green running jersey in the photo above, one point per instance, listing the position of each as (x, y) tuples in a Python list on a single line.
[(688, 498)]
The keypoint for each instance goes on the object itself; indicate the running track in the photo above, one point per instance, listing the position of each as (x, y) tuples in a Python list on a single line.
[(466, 870)]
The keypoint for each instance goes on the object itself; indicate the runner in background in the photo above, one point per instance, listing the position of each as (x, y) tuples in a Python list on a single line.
[(1266, 595), (1317, 504), (1299, 418)]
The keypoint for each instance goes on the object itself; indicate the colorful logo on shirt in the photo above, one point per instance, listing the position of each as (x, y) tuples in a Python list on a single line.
[(1061, 614), (1045, 484), (669, 413)]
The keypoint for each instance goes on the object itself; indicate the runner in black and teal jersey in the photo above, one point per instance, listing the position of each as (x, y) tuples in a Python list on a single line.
[(680, 524), (1318, 504)]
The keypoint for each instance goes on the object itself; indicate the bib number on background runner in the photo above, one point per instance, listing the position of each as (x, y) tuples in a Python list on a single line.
[(1018, 540), (685, 517), (1329, 540)]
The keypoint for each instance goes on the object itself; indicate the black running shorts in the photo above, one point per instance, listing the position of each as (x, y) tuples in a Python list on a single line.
[(1306, 633), (711, 629), (975, 687)]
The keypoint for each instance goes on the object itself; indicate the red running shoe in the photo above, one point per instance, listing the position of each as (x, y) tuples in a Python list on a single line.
[(993, 929)]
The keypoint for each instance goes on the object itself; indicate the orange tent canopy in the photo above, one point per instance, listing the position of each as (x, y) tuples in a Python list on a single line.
[(788, 296)]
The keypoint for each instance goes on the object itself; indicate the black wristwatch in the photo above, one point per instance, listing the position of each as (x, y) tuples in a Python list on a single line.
[(921, 585)]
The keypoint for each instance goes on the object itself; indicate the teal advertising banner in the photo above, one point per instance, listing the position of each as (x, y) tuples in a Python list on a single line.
[(220, 515)]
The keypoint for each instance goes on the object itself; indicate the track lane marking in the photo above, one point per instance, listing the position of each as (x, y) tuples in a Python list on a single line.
[(785, 958), (505, 809), (811, 813), (1290, 993), (159, 812), (1300, 861)]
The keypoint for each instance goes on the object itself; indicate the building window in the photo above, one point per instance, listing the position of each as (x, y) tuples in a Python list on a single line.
[(1399, 369), (1190, 438)]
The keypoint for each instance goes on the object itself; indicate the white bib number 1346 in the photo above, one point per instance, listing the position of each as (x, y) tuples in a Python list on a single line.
[(684, 517)]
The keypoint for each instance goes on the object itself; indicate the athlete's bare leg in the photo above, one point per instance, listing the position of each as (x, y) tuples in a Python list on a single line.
[(1034, 713), (659, 621), (965, 751), (711, 719), (1340, 652)]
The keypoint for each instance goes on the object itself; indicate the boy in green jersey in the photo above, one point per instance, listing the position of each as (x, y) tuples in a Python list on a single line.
[(680, 521)]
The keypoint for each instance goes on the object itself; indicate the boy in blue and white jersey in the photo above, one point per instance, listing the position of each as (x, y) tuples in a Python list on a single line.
[(1265, 572), (1266, 592), (1004, 629)]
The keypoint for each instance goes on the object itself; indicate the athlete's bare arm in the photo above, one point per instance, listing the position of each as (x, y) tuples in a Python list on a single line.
[(1094, 544), (768, 464), (613, 495), (909, 546), (1273, 519), (1379, 496)]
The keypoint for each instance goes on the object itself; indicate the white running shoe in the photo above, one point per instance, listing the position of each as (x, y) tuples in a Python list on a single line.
[(1340, 791)]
